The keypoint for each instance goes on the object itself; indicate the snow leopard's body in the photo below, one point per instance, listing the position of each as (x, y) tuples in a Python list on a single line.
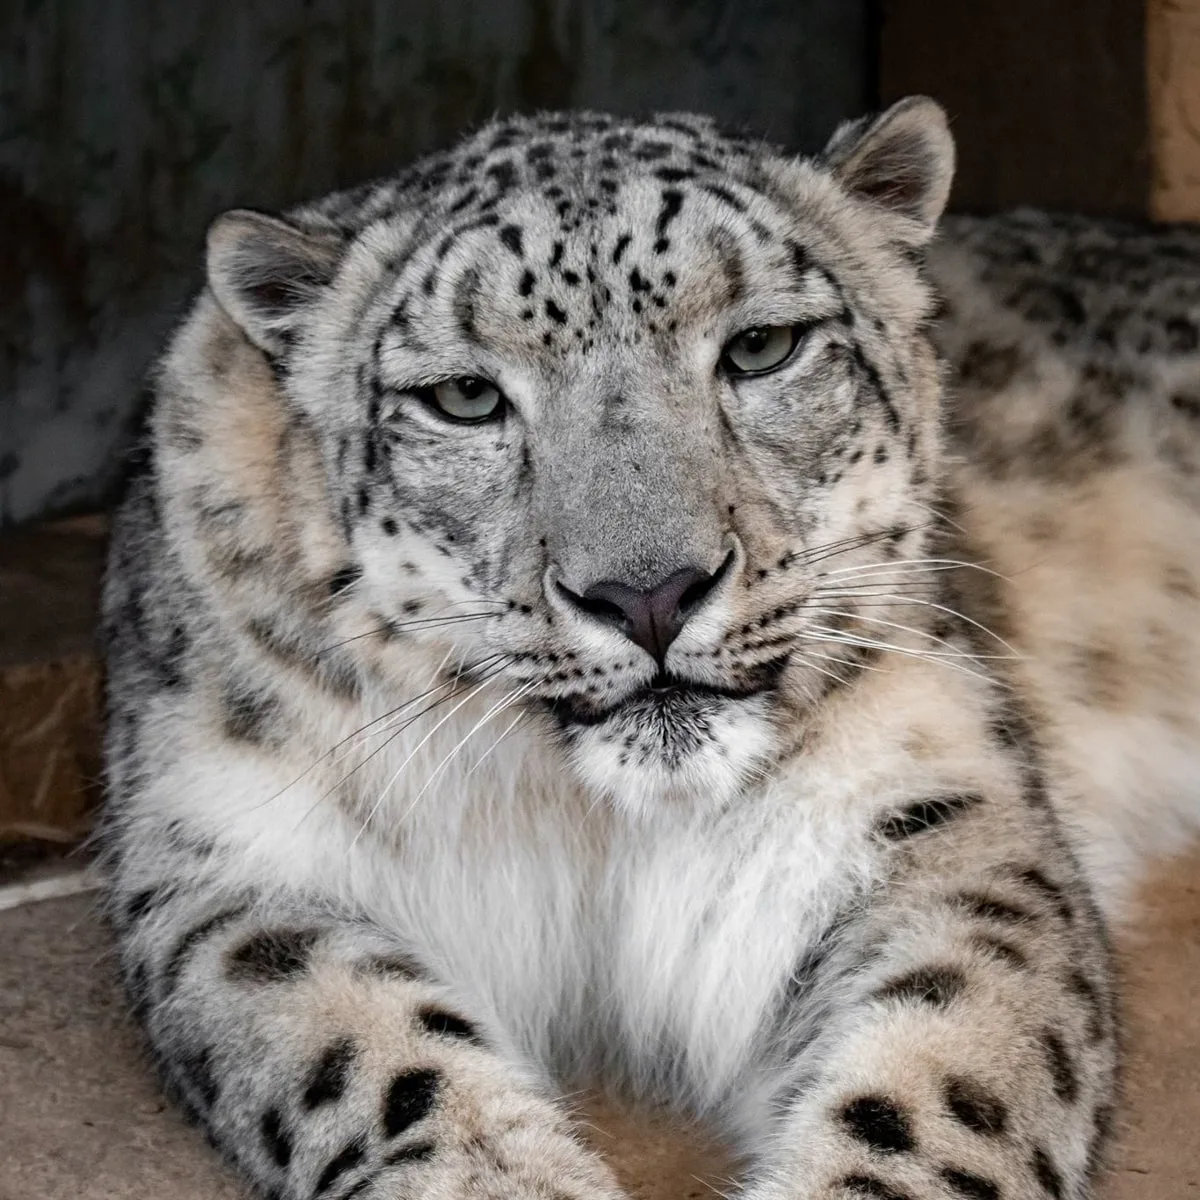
[(402, 838)]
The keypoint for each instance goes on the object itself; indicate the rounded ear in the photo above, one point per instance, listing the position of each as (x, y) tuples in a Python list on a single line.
[(902, 161), (264, 270)]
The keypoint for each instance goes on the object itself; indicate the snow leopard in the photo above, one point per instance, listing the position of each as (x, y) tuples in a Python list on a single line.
[(620, 604)]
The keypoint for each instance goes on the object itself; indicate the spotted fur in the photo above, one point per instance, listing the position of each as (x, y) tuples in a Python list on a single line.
[(406, 832)]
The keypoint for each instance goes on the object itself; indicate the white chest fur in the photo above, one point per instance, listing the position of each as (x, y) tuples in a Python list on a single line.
[(652, 948)]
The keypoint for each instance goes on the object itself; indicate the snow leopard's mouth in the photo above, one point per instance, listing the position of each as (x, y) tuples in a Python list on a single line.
[(668, 698)]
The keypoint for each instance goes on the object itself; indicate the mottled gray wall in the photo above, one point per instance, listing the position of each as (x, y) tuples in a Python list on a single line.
[(125, 125)]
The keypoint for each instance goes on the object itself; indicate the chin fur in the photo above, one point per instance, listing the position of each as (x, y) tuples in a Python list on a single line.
[(674, 750)]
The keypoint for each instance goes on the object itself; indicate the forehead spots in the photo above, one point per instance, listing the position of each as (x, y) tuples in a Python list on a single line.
[(510, 236), (672, 204), (504, 175), (650, 151), (588, 226), (730, 261)]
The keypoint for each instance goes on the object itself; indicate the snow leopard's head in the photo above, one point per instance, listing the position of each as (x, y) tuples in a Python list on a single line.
[(621, 415)]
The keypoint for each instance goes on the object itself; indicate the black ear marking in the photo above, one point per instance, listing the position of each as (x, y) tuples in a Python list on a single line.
[(902, 161), (263, 270)]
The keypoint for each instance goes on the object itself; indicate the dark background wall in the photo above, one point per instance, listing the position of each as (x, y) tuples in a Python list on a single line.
[(126, 125), (1047, 98)]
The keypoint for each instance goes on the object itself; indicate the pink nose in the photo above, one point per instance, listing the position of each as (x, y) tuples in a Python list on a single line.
[(650, 618)]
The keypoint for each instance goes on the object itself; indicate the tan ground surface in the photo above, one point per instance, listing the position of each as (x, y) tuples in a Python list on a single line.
[(81, 1117)]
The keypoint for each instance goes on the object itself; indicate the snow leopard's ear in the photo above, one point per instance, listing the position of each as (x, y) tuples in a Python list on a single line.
[(264, 270), (901, 160)]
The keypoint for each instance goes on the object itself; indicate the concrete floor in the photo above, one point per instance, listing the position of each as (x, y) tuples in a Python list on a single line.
[(81, 1116)]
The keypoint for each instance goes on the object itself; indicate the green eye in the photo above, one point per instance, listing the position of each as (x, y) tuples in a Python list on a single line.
[(467, 399), (760, 349)]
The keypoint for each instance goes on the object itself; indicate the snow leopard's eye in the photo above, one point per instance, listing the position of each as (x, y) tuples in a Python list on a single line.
[(763, 348), (468, 399)]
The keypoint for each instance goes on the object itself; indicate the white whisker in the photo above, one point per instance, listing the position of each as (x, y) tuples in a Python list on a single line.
[(803, 655), (889, 645), (938, 515), (946, 564), (497, 664), (942, 659), (836, 612), (499, 707), (411, 755), (833, 658), (514, 723), (952, 612)]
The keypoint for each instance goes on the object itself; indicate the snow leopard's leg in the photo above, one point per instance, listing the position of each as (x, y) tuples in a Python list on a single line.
[(954, 1035), (327, 1063)]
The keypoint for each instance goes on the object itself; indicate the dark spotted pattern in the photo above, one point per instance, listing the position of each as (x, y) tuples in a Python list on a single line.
[(1048, 1175), (272, 955), (1094, 1006), (328, 1078), (395, 966), (197, 1069), (1001, 948), (346, 1159), (1062, 1068), (967, 1183), (440, 1021), (344, 578), (935, 985), (276, 1138), (195, 937), (248, 712), (869, 1185), (879, 1122), (1105, 295), (925, 815), (974, 1106), (410, 1097), (416, 1152), (990, 908), (144, 902), (1053, 893)]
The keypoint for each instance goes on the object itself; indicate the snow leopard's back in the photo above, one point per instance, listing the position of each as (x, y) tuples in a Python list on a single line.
[(1074, 409)]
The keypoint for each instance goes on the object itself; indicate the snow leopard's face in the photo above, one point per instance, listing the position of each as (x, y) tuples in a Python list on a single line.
[(616, 412)]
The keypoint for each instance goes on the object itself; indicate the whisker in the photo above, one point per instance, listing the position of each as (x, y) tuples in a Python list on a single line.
[(834, 659), (938, 514), (515, 722), (397, 729), (873, 587), (392, 712), (835, 612), (900, 563), (891, 646), (337, 598), (845, 545), (512, 698), (812, 666), (952, 612), (421, 623), (360, 731), (491, 666), (932, 657), (473, 692)]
